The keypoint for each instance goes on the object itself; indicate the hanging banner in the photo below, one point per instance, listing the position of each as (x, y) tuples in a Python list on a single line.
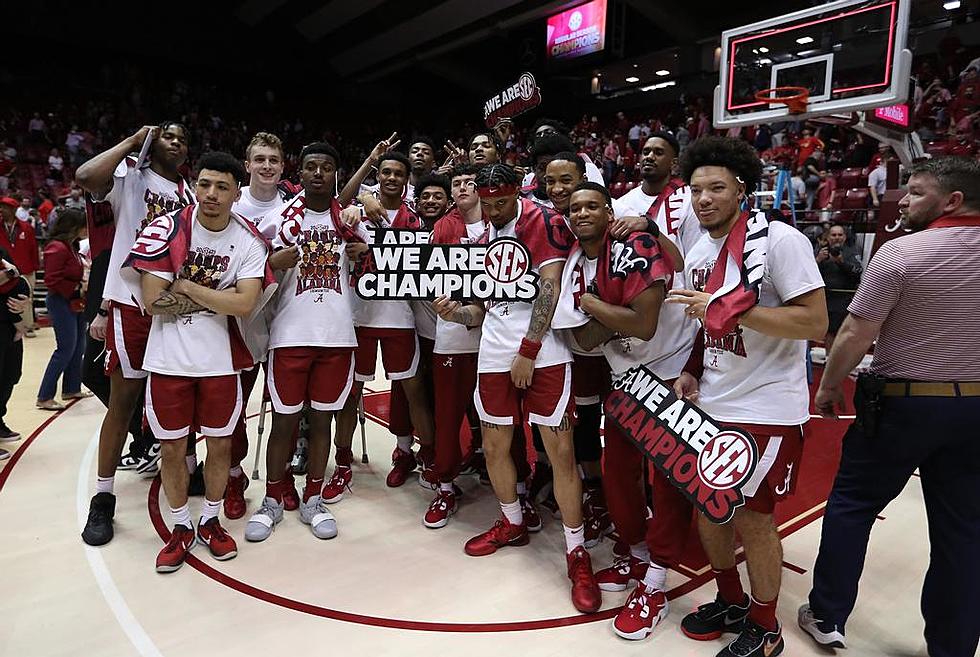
[(404, 266), (707, 461)]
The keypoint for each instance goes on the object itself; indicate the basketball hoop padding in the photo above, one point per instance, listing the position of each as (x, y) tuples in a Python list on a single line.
[(795, 98)]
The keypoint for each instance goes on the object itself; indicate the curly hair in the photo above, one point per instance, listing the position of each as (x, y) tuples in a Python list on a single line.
[(496, 175), (734, 154)]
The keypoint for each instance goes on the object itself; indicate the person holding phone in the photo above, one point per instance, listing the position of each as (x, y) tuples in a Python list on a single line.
[(63, 274)]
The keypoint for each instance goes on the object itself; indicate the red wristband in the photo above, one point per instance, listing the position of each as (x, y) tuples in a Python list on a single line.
[(529, 349)]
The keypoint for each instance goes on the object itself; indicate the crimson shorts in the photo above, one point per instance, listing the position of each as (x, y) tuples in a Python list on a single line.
[(590, 379), (321, 376), (399, 352), (780, 451), (545, 402), (209, 405), (125, 340)]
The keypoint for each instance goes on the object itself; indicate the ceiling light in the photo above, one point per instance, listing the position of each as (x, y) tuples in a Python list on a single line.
[(804, 40), (763, 49), (659, 85), (765, 60), (950, 6), (636, 65), (663, 72), (632, 78)]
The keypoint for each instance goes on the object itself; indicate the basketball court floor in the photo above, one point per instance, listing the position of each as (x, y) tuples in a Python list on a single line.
[(386, 585)]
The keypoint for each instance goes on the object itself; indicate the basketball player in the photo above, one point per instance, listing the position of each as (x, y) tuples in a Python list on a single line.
[(265, 192), (662, 206), (392, 324), (311, 341), (523, 363), (757, 289), (137, 195), (201, 270), (618, 288)]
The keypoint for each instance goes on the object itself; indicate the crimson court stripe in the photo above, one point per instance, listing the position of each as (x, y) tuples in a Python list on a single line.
[(15, 457)]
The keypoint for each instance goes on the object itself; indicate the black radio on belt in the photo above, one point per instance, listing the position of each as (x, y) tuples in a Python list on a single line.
[(867, 402)]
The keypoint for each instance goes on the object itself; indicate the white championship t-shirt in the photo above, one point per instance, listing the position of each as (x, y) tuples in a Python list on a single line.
[(383, 314), (670, 347), (200, 344), (750, 377), (137, 197), (313, 304), (506, 323), (453, 338), (255, 210)]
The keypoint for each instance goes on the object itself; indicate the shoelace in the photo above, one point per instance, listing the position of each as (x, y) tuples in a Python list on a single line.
[(748, 639), (267, 508), (218, 532), (176, 541), (710, 609), (337, 480)]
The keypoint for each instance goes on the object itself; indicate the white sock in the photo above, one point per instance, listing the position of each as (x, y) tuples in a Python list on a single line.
[(104, 484), (235, 472), (447, 488), (405, 443), (181, 516), (191, 461), (640, 551), (512, 511), (521, 488), (210, 510), (574, 537), (656, 577)]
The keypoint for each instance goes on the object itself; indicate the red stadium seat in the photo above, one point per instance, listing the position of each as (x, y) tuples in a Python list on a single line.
[(856, 199), (630, 185), (617, 189), (853, 177)]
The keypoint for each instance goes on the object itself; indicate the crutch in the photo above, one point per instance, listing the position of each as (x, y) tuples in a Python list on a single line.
[(263, 408), (362, 419)]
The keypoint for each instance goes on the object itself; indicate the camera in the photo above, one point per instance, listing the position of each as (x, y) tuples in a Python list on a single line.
[(834, 251)]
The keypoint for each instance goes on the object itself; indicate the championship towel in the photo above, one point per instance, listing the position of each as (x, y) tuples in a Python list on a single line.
[(734, 282), (162, 247)]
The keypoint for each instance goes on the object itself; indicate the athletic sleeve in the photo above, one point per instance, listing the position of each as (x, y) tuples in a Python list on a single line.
[(792, 268), (881, 286), (253, 265)]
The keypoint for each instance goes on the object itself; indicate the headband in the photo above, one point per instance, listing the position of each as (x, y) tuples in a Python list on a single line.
[(494, 192)]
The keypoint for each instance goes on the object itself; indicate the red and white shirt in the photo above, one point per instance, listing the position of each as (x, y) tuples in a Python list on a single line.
[(671, 346), (313, 306), (548, 239), (453, 338), (137, 197), (200, 344), (749, 376)]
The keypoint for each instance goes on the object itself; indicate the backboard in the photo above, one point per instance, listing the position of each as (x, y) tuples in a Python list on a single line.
[(849, 54)]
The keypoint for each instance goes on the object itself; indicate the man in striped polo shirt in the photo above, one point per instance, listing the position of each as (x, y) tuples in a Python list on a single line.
[(920, 297)]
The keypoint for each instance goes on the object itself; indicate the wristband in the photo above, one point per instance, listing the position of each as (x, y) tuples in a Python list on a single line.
[(103, 312), (653, 228), (529, 349)]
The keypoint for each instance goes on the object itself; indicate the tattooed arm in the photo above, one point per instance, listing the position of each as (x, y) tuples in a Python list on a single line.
[(542, 312), (592, 334), (453, 311), (165, 301)]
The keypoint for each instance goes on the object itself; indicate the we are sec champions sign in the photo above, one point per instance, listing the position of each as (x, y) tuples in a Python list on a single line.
[(708, 462), (405, 266)]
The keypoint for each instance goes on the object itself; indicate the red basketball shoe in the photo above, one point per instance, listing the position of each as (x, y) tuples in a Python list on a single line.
[(586, 595), (501, 534)]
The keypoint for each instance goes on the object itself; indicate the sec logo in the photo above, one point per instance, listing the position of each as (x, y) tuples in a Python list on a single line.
[(526, 86), (155, 238), (507, 261), (726, 461)]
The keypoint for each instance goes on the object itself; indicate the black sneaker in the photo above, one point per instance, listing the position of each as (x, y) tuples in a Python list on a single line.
[(7, 434), (711, 620), (149, 463), (98, 527), (755, 641), (195, 487)]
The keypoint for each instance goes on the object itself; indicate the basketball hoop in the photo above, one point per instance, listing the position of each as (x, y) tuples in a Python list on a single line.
[(796, 98)]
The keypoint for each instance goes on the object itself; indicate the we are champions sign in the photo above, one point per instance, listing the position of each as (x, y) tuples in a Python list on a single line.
[(406, 267), (708, 462)]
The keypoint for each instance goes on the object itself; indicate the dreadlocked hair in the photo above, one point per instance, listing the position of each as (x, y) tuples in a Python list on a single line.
[(496, 175), (733, 154)]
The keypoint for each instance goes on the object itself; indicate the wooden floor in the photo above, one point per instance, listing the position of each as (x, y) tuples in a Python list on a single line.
[(385, 586)]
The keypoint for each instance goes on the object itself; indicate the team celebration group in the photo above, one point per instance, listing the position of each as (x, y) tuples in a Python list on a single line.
[(241, 274)]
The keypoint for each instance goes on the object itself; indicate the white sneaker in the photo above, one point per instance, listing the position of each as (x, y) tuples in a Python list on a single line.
[(811, 625), (262, 523), (315, 514)]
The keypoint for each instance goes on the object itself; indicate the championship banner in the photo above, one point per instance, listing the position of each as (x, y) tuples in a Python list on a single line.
[(515, 99), (406, 267), (708, 462)]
